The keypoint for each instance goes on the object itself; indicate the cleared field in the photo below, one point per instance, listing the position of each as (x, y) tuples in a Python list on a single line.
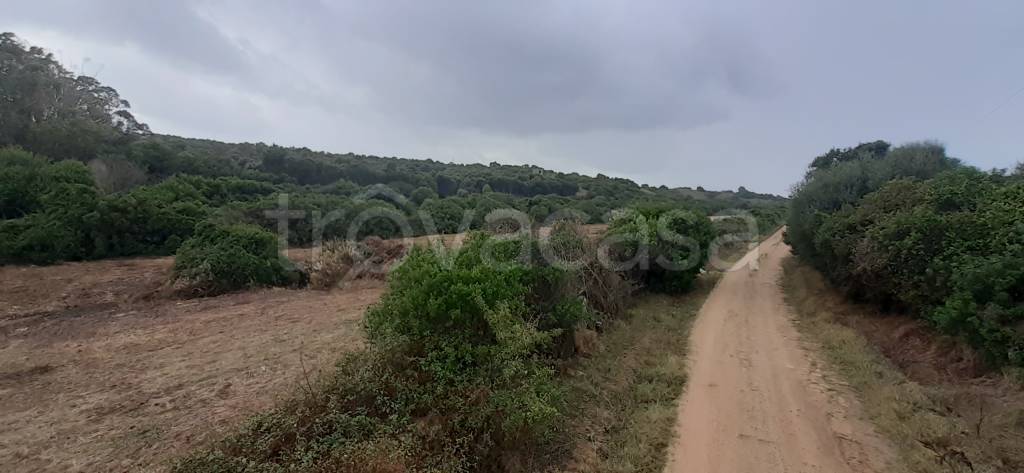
[(97, 374), (101, 369)]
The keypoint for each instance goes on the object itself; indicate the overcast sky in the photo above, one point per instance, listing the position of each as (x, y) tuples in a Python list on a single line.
[(682, 93)]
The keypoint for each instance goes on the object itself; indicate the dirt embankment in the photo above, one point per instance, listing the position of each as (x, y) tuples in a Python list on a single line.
[(930, 394), (756, 400)]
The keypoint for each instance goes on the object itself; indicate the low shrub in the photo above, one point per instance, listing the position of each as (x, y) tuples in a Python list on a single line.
[(334, 260), (661, 248), (222, 258), (456, 376)]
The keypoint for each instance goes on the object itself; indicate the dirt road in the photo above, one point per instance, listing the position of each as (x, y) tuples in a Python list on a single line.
[(755, 400)]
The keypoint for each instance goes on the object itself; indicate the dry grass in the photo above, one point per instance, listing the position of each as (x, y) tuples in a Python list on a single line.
[(330, 265), (624, 397), (938, 421)]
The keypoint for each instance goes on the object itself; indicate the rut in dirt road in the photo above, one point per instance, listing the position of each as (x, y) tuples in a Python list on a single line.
[(754, 401)]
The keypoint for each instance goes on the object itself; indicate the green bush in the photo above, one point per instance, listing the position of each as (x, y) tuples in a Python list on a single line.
[(669, 246), (827, 190), (947, 248), (222, 258), (456, 376), (46, 209)]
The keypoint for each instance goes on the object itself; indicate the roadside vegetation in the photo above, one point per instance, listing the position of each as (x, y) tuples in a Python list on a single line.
[(913, 230), (467, 360), (625, 395), (922, 390)]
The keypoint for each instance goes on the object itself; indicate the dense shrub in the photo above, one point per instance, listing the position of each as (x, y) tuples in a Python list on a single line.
[(456, 376), (661, 248), (441, 216), (947, 248), (479, 327), (45, 209), (826, 190), (432, 294), (222, 258), (459, 371)]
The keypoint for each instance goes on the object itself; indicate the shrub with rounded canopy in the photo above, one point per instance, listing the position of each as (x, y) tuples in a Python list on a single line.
[(44, 208), (222, 258), (664, 248)]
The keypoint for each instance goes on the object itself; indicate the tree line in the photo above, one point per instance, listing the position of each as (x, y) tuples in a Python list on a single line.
[(912, 229), (81, 178)]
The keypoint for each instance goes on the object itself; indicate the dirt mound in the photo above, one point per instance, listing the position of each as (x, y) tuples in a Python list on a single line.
[(377, 257)]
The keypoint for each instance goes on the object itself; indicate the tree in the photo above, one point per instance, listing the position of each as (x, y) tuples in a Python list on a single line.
[(421, 194), (49, 110), (871, 150), (446, 187), (445, 214)]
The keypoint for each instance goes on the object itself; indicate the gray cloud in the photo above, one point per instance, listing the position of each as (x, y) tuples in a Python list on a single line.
[(548, 67), (171, 30), (664, 92)]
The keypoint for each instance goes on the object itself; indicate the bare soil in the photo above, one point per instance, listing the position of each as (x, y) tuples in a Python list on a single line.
[(756, 400), (102, 368), (100, 372)]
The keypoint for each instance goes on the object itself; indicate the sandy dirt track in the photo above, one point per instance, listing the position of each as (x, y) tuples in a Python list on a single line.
[(756, 400)]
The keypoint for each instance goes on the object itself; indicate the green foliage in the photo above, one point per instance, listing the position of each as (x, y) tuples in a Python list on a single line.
[(947, 247), (439, 298), (456, 376), (421, 194), (222, 258), (445, 216), (49, 110), (863, 151), (45, 208), (155, 188), (827, 190), (665, 249)]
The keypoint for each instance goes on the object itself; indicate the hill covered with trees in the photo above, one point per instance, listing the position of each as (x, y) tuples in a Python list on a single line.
[(81, 178)]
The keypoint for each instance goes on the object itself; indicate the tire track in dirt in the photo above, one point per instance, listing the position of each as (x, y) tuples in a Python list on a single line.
[(755, 400)]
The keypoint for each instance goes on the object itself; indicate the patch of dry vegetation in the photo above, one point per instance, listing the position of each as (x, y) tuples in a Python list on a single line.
[(625, 395), (916, 386), (330, 264)]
